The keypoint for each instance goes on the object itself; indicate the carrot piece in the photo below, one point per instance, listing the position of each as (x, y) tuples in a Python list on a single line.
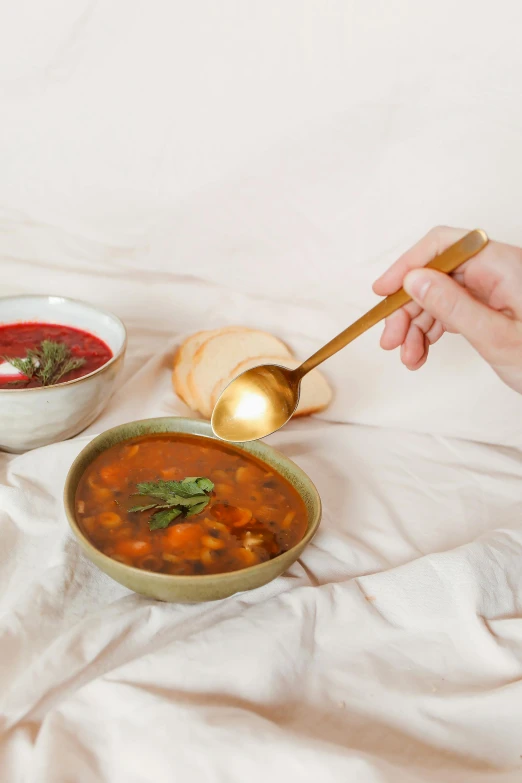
[(171, 473), (243, 517), (224, 490), (184, 534), (231, 515), (131, 548), (220, 475), (111, 473)]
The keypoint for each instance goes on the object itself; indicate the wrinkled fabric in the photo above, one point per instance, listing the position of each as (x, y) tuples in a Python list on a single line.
[(191, 166), (381, 655)]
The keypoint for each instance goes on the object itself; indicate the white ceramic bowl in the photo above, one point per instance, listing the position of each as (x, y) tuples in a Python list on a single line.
[(30, 418)]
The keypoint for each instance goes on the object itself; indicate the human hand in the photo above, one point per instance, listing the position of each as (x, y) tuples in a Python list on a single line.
[(482, 301)]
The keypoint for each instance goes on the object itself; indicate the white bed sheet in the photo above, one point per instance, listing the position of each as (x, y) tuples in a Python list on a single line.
[(193, 165)]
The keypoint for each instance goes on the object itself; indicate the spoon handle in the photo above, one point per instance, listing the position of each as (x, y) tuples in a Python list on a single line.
[(447, 261)]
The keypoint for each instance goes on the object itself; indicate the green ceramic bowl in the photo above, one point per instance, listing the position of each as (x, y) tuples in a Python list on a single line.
[(209, 587)]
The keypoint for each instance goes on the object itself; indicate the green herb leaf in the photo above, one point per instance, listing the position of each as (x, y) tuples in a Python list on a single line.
[(205, 484), (163, 519), (142, 508), (24, 366), (193, 500), (184, 498), (48, 363), (158, 489), (198, 508)]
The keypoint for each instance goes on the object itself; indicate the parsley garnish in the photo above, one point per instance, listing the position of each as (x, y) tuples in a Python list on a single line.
[(46, 364), (178, 499)]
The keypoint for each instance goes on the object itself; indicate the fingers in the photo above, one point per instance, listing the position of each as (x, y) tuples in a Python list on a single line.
[(414, 350), (435, 333), (424, 321), (452, 305), (398, 330), (435, 241), (397, 325), (415, 330)]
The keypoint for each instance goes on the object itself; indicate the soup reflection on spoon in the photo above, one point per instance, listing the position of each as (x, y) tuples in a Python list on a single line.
[(258, 402)]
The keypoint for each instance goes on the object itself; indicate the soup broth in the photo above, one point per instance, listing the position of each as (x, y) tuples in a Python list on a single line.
[(252, 513), (88, 351)]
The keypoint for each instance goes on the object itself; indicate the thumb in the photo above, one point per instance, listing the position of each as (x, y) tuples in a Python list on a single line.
[(457, 310)]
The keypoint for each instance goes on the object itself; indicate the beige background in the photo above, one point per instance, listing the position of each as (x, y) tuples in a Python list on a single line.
[(198, 164)]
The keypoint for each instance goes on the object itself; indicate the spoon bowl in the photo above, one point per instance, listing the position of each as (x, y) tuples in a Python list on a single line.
[(256, 403)]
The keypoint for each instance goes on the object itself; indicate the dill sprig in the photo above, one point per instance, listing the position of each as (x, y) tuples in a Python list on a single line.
[(46, 364)]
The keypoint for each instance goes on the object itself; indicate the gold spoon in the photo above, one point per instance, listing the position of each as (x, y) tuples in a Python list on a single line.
[(259, 401)]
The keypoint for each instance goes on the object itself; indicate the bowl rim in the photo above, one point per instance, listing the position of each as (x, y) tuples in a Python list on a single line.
[(180, 578), (115, 357)]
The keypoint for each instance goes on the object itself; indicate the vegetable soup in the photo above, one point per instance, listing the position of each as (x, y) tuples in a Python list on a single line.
[(185, 504)]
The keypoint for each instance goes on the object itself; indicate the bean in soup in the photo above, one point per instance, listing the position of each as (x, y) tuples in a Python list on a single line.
[(250, 514)]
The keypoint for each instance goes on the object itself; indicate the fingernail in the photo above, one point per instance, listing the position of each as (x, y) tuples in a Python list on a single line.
[(416, 284)]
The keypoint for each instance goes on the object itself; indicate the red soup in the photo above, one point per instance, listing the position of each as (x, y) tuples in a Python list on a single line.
[(50, 354), (182, 504)]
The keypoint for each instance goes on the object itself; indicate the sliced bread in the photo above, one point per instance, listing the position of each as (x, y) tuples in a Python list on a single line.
[(218, 355), (316, 393), (184, 358)]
